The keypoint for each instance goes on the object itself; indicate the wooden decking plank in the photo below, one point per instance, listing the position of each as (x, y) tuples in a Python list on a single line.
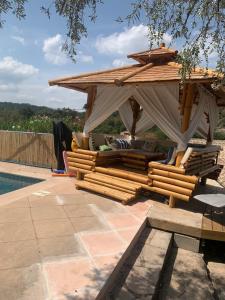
[(175, 220), (211, 227), (132, 176), (110, 186), (112, 180), (122, 196), (218, 217)]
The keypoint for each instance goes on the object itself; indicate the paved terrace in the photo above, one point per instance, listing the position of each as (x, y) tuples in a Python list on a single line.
[(58, 243)]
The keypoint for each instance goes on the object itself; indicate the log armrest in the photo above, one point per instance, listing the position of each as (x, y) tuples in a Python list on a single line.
[(171, 181)]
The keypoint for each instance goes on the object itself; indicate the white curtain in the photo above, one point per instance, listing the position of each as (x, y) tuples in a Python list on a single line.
[(160, 105), (126, 115), (144, 123), (108, 100), (210, 108)]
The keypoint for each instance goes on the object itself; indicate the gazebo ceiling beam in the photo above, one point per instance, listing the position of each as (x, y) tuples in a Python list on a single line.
[(121, 80)]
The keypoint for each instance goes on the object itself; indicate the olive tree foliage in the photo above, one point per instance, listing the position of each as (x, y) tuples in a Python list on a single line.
[(198, 25)]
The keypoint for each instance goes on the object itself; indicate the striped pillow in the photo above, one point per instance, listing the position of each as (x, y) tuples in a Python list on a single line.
[(122, 144)]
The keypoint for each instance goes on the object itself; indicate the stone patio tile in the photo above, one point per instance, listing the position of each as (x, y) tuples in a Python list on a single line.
[(76, 211), (119, 221), (66, 279), (22, 284), (14, 214), (77, 198), (47, 200), (18, 254), (124, 294), (107, 263), (139, 209), (60, 246), (67, 187), (16, 231), (18, 203), (128, 234), (150, 256), (47, 212), (53, 228), (159, 238), (109, 206), (88, 224), (103, 243), (142, 281), (217, 275)]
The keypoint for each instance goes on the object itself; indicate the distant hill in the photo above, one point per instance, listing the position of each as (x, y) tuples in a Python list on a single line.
[(28, 117), (18, 111)]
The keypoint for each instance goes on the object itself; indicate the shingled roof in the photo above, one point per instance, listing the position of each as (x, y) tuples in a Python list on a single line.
[(156, 65)]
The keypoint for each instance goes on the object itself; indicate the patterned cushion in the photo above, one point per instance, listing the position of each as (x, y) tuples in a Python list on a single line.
[(122, 144)]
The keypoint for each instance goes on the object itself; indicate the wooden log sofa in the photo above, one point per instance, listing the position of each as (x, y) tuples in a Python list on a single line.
[(102, 172)]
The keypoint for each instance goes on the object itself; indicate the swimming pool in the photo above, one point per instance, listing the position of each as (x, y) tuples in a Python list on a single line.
[(12, 182)]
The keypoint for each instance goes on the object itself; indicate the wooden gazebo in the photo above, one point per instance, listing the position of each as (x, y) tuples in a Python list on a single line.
[(152, 92)]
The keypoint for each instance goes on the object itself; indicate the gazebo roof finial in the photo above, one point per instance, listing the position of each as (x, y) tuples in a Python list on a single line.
[(156, 55)]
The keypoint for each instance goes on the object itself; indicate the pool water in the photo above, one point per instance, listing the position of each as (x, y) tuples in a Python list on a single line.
[(11, 182)]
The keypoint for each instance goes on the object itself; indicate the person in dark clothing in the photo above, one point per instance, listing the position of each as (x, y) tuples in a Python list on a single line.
[(62, 141)]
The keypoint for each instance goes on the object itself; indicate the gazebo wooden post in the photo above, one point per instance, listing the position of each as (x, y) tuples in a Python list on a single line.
[(208, 143), (187, 103), (186, 108), (90, 103), (136, 114)]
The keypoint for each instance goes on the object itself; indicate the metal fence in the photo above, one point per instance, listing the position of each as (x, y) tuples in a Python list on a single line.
[(29, 148)]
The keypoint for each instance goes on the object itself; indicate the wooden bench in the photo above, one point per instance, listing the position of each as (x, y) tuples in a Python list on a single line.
[(202, 162), (85, 161), (171, 181), (180, 182)]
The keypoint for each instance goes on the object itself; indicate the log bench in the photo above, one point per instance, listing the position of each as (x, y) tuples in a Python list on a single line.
[(197, 165), (85, 161), (202, 162), (174, 182)]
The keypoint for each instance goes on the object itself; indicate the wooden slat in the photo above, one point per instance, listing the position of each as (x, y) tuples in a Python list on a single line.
[(122, 196), (79, 155), (133, 161), (79, 170), (87, 152), (123, 174), (163, 167), (175, 182), (170, 187), (209, 170), (81, 161), (122, 180), (113, 181), (80, 166), (186, 178), (29, 148), (132, 166), (168, 193), (110, 186), (119, 81)]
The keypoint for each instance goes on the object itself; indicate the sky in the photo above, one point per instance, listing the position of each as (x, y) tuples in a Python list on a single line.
[(30, 53)]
